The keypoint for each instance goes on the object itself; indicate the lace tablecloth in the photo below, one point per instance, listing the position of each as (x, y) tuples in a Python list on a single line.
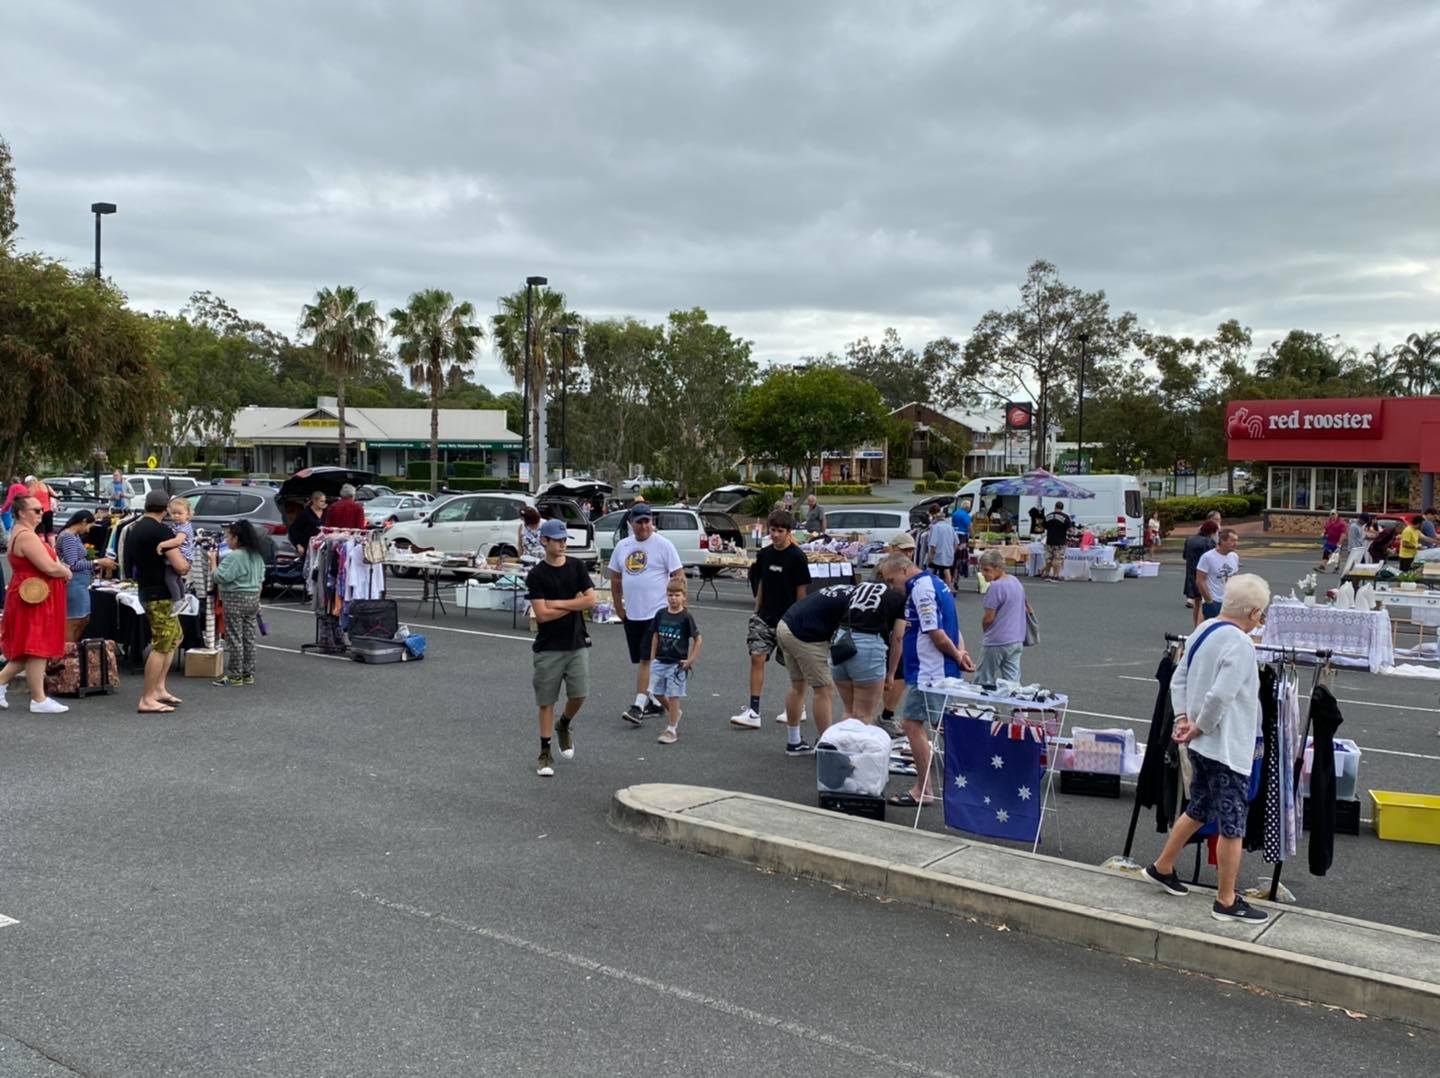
[(1365, 634)]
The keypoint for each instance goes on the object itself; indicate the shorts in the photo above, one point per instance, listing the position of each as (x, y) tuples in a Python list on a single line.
[(667, 679), (921, 706), (47, 522), (1054, 556), (553, 667), (1218, 795), (165, 632), (760, 636), (638, 635), (1209, 610), (808, 664), (867, 665), (1326, 549)]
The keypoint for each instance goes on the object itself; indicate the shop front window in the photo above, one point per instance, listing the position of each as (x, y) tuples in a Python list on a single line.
[(1300, 492), (1345, 482), (1280, 488), (1397, 493), (1325, 488)]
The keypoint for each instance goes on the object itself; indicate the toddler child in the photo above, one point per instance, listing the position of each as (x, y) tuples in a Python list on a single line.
[(673, 651), (184, 539)]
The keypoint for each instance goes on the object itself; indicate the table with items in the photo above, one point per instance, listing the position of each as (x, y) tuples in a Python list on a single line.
[(1078, 561), (117, 614), (1357, 637)]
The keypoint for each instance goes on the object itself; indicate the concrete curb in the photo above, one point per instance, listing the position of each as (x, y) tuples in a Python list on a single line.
[(658, 812)]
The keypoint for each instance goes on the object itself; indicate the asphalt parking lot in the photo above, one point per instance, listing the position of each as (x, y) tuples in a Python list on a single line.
[(354, 870)]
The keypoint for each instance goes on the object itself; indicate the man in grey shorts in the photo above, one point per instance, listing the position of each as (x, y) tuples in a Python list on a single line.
[(560, 590)]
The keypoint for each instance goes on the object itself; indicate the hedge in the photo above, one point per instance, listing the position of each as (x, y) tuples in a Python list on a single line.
[(464, 469), (1172, 511), (479, 483), (760, 504), (658, 495), (937, 486)]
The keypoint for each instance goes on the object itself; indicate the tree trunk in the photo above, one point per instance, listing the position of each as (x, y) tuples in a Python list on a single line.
[(340, 410), (434, 434)]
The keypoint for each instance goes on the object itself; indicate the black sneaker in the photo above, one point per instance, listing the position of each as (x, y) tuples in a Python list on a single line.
[(653, 707), (544, 766), (1170, 881), (633, 715), (804, 748), (1240, 911), (566, 742)]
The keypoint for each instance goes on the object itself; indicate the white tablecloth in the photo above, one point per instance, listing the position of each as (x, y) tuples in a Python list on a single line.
[(1077, 561), (1360, 632)]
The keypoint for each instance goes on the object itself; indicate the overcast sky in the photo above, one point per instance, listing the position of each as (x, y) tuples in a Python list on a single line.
[(808, 172)]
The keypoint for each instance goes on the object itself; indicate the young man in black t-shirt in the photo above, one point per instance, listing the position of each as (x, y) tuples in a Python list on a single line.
[(560, 590), (779, 576)]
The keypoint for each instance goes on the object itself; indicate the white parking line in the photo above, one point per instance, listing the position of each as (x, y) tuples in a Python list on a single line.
[(413, 625), (1306, 696), (4, 921)]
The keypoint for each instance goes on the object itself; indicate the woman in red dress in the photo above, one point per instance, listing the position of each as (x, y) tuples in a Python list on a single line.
[(32, 632)]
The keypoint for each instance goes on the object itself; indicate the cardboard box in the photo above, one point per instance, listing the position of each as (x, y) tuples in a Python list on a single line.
[(204, 662)]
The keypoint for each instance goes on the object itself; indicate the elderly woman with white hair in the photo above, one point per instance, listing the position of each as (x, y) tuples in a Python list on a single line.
[(1216, 696), (1003, 620)]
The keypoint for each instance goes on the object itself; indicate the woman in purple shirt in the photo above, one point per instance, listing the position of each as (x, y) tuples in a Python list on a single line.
[(1003, 621)]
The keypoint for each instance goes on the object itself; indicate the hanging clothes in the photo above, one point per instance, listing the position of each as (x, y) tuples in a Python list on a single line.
[(1262, 825), (1289, 727), (1158, 783), (1325, 720)]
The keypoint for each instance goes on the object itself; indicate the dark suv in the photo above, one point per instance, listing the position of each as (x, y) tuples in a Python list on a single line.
[(214, 506)]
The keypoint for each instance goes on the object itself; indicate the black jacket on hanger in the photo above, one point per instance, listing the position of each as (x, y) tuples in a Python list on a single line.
[(1154, 780), (1325, 719)]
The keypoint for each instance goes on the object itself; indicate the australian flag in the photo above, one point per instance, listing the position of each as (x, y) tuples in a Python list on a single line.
[(992, 779)]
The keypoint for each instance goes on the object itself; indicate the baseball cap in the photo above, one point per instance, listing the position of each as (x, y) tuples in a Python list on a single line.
[(553, 529), (640, 512), (901, 541), (156, 500)]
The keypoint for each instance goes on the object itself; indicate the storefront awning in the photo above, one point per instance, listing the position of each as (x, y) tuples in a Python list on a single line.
[(445, 445)]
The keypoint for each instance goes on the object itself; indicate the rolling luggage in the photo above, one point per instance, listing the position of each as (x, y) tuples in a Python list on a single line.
[(85, 669)]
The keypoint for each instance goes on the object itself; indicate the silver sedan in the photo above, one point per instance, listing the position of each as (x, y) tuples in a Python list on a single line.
[(387, 509)]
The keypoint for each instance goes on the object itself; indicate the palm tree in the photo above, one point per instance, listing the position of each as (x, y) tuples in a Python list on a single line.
[(437, 343), (1418, 361), (1382, 377), (346, 329), (507, 332)]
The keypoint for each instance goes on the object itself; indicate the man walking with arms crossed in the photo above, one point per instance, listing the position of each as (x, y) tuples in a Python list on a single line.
[(643, 563), (560, 591), (779, 577)]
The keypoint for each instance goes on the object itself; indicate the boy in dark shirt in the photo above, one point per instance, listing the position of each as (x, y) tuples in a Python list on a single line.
[(560, 590), (779, 576), (674, 647)]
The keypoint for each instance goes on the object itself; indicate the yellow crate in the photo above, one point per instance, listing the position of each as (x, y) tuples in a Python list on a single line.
[(1401, 817)]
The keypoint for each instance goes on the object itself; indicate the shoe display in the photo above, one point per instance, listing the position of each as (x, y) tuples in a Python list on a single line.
[(565, 739), (633, 715), (749, 719), (544, 765)]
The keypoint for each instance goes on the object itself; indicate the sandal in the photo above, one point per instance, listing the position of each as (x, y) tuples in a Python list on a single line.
[(905, 801), (163, 709), (171, 700)]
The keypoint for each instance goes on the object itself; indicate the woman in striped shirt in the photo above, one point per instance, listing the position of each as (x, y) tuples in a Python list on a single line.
[(70, 548)]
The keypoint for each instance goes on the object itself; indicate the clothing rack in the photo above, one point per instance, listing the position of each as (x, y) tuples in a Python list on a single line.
[(329, 638), (1323, 670)]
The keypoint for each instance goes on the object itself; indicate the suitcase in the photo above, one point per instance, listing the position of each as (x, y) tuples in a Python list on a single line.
[(365, 649), (86, 668), (374, 618)]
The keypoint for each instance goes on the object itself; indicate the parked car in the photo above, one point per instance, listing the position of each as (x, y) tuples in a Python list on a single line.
[(73, 495), (640, 482), (920, 511), (141, 483), (366, 491), (424, 495), (688, 529), (389, 509), (486, 523), (726, 499), (214, 506), (870, 524)]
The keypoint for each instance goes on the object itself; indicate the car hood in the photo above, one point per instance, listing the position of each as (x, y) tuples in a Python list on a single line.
[(306, 481)]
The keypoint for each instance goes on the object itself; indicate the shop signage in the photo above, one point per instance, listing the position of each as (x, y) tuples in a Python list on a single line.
[(1018, 415), (1340, 418), (316, 421), (446, 445)]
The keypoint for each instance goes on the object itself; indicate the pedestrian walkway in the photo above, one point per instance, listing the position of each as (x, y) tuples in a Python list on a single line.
[(1373, 968)]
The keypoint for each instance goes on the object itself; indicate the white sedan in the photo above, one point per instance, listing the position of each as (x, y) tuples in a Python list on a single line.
[(640, 482)]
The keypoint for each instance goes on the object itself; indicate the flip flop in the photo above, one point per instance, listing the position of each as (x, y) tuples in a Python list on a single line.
[(907, 802), (161, 710), (171, 700)]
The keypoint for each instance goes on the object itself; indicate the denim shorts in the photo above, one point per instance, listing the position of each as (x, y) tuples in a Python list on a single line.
[(922, 706), (1218, 795), (667, 679), (867, 665)]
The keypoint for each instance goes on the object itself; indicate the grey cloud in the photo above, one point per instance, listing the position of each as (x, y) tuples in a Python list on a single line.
[(813, 171)]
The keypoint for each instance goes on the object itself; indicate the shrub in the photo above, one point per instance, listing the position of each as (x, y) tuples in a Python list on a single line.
[(732, 475), (1257, 503), (841, 490), (954, 477), (1160, 511), (659, 495), (1193, 509), (228, 473), (767, 477), (471, 469), (931, 477), (921, 487), (476, 482)]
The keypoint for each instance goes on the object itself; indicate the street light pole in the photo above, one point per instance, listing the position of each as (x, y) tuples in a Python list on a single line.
[(1080, 433), (99, 209), (565, 333), (530, 284)]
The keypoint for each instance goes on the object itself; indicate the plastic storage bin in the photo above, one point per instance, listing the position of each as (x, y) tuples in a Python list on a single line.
[(1402, 817), (1347, 768), (1105, 573)]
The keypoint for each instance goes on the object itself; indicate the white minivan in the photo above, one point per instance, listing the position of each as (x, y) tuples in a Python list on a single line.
[(1116, 497)]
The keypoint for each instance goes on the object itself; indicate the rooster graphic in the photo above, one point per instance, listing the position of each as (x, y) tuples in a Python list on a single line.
[(1244, 425)]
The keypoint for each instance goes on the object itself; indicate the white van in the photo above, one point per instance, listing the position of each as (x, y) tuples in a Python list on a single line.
[(1116, 497)]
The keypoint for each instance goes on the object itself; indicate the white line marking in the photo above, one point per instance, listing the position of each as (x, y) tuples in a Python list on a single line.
[(4, 921), (297, 651), (589, 965), (416, 625), (1306, 696)]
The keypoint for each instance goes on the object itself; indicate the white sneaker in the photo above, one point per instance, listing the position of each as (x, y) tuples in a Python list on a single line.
[(749, 719), (48, 706), (780, 718), (4, 703)]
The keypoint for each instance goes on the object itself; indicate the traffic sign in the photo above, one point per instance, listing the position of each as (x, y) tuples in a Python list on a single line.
[(152, 461)]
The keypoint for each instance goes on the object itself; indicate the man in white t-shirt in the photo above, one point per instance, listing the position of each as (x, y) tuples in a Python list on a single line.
[(1214, 568), (643, 563)]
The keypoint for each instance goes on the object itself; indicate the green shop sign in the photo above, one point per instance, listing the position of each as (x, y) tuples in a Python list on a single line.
[(446, 445)]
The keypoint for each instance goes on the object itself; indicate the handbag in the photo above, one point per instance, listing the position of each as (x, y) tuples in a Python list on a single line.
[(842, 644), (33, 590), (1032, 628), (375, 550)]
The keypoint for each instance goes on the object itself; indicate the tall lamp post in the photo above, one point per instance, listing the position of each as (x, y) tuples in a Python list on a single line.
[(99, 209), (531, 283), (1080, 433), (564, 333)]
